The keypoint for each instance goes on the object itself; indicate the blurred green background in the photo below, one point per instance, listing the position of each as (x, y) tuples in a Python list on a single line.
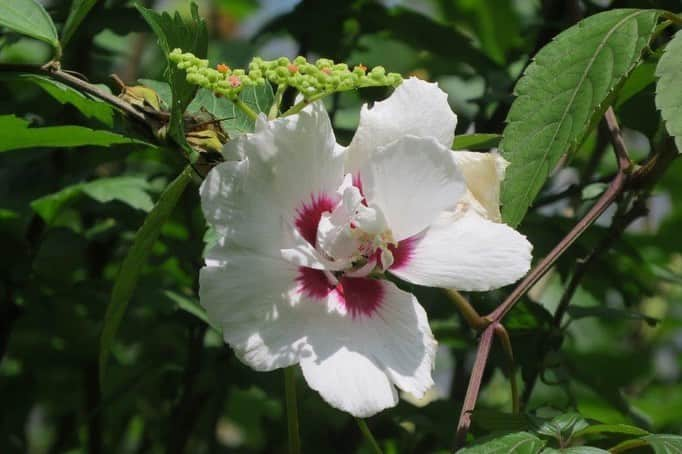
[(172, 385)]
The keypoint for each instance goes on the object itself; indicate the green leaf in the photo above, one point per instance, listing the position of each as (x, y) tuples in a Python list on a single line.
[(79, 9), (29, 18), (575, 450), (234, 120), (518, 443), (609, 313), (55, 136), (129, 190), (132, 265), (563, 427), (669, 88), (190, 36), (191, 306), (664, 443), (563, 93), (88, 106), (599, 429), (476, 141)]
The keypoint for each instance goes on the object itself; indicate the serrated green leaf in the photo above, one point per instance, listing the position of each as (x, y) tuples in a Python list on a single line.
[(520, 443), (79, 9), (563, 427), (133, 191), (134, 262), (29, 18), (669, 88), (55, 136), (90, 107), (476, 141), (190, 35), (664, 443), (599, 429), (563, 93)]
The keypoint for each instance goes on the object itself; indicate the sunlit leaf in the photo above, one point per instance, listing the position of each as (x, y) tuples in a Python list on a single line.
[(563, 93), (29, 18), (669, 88), (191, 306), (24, 136), (563, 427), (621, 429), (133, 191)]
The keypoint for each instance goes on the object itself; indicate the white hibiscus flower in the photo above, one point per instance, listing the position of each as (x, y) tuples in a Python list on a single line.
[(306, 228)]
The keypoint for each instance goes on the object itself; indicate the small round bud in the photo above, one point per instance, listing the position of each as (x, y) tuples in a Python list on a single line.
[(223, 68)]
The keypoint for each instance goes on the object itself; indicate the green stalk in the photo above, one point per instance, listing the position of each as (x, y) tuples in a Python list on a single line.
[(292, 410), (246, 109), (274, 109), (368, 435)]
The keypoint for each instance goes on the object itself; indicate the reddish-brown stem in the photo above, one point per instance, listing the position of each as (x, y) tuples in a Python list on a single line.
[(614, 190), (484, 345)]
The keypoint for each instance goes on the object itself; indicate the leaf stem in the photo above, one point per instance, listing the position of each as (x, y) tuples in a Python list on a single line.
[(299, 106), (673, 17), (292, 410), (279, 94), (368, 435), (246, 109), (470, 314)]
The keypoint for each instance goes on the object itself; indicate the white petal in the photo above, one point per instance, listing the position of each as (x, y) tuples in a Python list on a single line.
[(466, 252), (355, 361), (412, 180), (289, 162), (416, 108), (483, 173), (250, 299)]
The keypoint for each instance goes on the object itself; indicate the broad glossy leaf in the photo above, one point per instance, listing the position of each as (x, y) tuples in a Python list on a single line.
[(133, 191), (563, 93), (88, 106), (133, 264), (29, 18), (520, 443), (190, 35), (55, 136), (476, 141), (79, 9), (669, 88)]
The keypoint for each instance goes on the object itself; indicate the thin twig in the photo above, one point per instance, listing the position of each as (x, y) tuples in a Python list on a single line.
[(474, 385), (470, 315), (75, 82), (615, 189)]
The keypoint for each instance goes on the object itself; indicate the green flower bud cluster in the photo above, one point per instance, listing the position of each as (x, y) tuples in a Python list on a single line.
[(221, 80), (312, 80)]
